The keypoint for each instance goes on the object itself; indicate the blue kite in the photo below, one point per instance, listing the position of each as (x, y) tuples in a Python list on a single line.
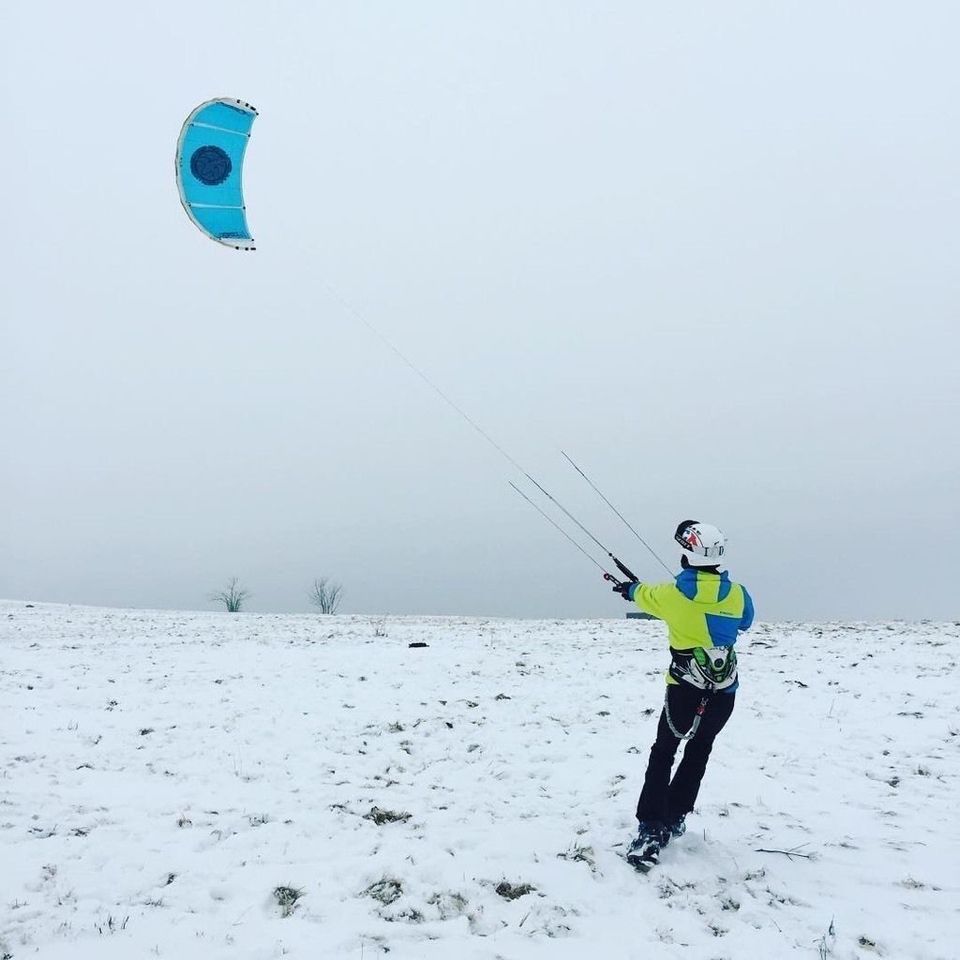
[(210, 169)]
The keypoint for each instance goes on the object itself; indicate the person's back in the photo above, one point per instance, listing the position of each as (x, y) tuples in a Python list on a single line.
[(703, 610)]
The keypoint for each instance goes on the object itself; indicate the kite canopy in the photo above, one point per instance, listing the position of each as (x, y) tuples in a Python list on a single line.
[(210, 169)]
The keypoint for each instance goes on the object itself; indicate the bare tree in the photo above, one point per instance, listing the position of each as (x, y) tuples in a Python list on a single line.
[(326, 595), (232, 597)]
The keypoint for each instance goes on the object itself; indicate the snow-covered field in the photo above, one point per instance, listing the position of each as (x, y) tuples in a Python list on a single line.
[(163, 774)]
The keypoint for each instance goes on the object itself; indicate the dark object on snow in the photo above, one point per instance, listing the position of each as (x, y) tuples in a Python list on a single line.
[(287, 898), (380, 816), (418, 643), (789, 854), (510, 891)]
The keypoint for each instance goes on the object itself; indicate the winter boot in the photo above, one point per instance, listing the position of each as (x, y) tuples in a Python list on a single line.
[(644, 849), (677, 827)]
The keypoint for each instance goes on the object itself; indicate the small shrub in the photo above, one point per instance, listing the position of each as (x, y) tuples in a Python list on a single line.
[(326, 595), (233, 596), (286, 898)]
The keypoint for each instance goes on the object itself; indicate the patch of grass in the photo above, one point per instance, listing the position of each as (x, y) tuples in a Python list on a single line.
[(386, 891), (112, 925), (411, 915), (580, 853), (380, 816), (513, 891), (827, 941), (448, 904), (286, 898)]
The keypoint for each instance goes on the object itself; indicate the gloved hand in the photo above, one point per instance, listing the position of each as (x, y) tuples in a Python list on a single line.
[(627, 589)]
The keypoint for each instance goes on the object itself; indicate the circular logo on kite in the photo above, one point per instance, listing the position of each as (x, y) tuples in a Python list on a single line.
[(210, 165)]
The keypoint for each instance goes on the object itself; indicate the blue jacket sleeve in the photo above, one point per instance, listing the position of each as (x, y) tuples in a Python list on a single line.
[(746, 622)]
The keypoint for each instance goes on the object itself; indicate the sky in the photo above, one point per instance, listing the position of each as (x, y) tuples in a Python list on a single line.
[(710, 251)]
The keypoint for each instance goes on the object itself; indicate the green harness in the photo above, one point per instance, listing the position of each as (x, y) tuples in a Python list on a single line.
[(718, 664), (709, 668)]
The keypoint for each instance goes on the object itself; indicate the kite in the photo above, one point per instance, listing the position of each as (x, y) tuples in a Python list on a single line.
[(210, 169)]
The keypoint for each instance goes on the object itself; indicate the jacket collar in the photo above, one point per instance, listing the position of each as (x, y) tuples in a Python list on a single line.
[(692, 574)]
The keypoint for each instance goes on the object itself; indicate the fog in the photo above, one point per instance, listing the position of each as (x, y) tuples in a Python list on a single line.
[(710, 252)]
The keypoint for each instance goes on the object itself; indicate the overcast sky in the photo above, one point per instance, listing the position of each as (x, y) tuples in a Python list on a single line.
[(710, 250)]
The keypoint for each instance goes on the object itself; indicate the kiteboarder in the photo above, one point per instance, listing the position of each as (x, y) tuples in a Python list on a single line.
[(704, 611)]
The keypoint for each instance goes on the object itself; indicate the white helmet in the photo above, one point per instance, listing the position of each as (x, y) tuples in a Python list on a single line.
[(703, 543)]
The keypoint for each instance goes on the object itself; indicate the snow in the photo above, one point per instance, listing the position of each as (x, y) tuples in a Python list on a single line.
[(163, 773)]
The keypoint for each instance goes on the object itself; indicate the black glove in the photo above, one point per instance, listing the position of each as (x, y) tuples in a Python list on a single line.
[(627, 589)]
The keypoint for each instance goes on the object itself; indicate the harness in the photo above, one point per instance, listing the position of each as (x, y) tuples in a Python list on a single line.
[(707, 669)]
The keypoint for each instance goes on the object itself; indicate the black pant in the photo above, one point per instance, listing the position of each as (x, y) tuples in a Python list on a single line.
[(664, 799)]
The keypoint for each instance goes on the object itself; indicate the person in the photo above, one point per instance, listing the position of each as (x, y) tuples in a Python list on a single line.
[(704, 611)]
